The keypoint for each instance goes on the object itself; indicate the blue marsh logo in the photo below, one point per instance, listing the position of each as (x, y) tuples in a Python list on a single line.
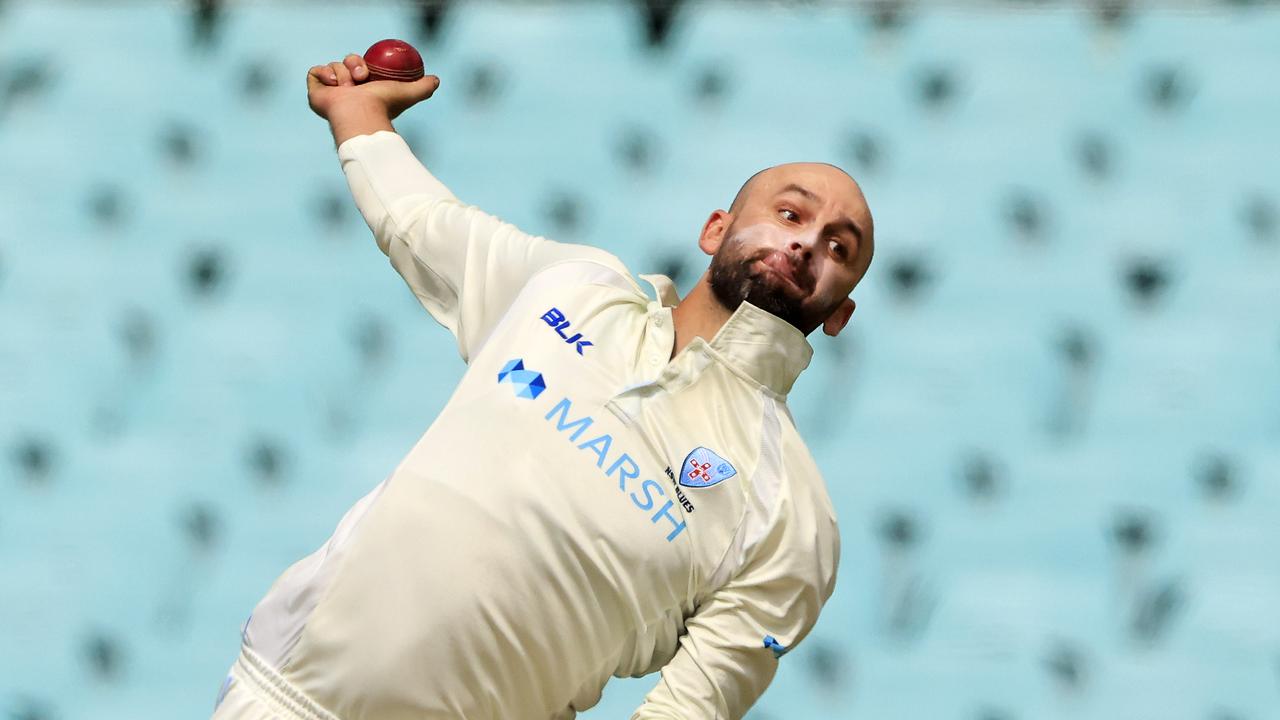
[(596, 447), (528, 384)]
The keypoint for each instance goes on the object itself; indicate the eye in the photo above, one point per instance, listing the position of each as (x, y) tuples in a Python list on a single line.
[(785, 211), (841, 250)]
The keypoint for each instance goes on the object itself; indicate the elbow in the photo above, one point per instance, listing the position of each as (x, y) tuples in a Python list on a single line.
[(412, 216)]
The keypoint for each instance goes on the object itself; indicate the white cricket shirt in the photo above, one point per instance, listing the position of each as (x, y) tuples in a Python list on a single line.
[(584, 506)]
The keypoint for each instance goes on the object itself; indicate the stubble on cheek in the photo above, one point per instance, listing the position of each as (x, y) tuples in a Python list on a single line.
[(736, 275)]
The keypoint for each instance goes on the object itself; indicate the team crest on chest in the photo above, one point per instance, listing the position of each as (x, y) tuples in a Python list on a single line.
[(703, 468)]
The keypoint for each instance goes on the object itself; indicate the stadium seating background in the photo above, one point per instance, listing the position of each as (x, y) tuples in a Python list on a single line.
[(1052, 430)]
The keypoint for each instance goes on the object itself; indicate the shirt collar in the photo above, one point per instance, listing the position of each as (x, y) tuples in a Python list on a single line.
[(770, 350)]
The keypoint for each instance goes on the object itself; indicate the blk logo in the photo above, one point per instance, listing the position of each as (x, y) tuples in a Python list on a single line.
[(528, 384), (555, 319)]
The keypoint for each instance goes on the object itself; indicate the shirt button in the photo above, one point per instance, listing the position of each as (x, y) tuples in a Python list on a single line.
[(653, 361), (658, 321)]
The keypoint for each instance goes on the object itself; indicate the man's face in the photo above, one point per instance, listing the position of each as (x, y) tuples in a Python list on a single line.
[(799, 241)]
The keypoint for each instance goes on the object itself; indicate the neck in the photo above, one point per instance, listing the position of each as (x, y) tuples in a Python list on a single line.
[(699, 314)]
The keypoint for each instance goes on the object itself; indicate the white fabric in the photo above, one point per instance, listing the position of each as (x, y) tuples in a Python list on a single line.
[(535, 542), (253, 689)]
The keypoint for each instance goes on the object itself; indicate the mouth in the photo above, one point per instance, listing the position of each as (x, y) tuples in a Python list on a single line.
[(779, 265)]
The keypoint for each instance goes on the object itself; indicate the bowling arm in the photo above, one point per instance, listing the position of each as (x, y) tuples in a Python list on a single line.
[(465, 266)]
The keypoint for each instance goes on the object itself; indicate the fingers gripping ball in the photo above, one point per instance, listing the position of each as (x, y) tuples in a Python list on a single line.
[(393, 60)]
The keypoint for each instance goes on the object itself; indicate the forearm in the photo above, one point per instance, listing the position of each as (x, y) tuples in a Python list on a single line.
[(358, 118)]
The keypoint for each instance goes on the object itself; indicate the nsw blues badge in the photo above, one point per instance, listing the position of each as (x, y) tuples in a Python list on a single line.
[(703, 468)]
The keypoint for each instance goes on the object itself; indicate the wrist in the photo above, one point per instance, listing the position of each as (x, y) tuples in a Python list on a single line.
[(362, 117)]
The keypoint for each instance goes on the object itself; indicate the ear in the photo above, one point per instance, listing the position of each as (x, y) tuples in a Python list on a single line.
[(838, 319), (713, 231)]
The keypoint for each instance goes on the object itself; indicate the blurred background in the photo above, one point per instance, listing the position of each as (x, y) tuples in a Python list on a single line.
[(1051, 431)]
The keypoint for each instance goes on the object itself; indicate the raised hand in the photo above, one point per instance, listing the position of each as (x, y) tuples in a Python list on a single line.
[(342, 93)]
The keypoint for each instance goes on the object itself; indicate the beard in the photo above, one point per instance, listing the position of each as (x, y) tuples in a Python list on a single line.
[(733, 279)]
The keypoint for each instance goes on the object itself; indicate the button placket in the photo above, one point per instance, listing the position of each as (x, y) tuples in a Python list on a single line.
[(656, 341)]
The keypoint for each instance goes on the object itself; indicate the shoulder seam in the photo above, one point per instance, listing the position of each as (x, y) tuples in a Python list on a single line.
[(624, 274)]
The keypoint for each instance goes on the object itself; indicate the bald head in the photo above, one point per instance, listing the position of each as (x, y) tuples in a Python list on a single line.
[(823, 181), (783, 169)]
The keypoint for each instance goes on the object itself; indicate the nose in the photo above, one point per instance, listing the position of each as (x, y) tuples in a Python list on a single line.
[(800, 250)]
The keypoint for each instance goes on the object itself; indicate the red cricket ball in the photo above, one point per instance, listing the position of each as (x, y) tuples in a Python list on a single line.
[(393, 60)]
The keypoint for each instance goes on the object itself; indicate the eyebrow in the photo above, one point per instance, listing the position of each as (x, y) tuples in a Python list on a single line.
[(843, 223)]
